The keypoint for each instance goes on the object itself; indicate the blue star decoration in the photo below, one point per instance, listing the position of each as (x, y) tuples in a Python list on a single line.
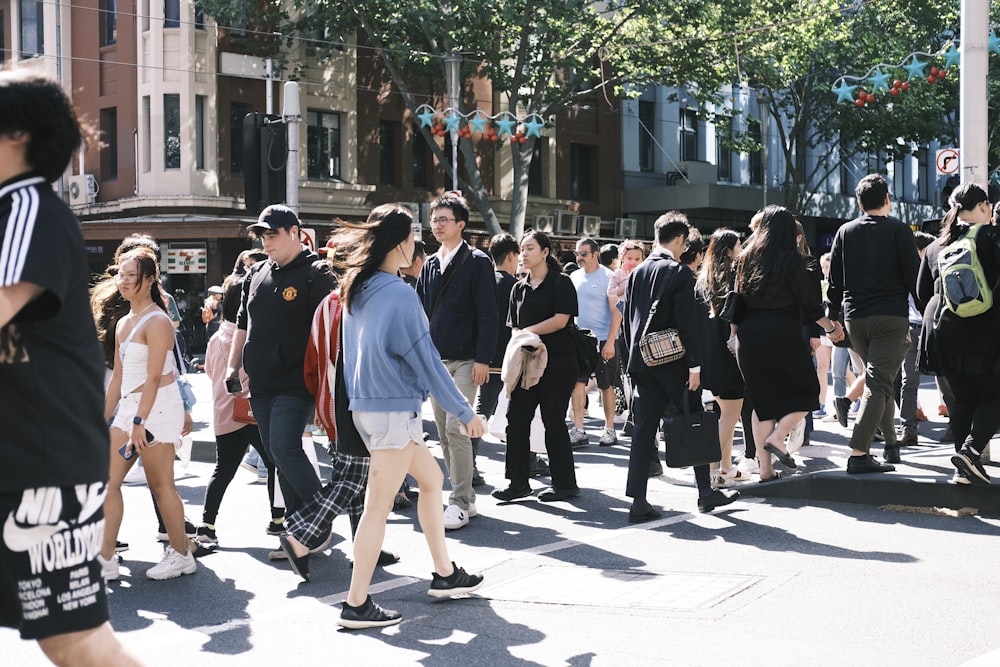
[(451, 121), (951, 56), (994, 43), (880, 80), (478, 122), (506, 125), (534, 126), (426, 117), (844, 92), (915, 68)]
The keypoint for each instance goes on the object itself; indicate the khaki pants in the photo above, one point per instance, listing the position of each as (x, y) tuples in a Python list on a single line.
[(456, 445), (881, 341)]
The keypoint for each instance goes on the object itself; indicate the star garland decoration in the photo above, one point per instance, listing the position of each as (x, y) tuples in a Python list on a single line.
[(489, 128), (878, 77)]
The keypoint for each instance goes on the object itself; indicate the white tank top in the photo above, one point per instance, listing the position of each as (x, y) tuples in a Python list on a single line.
[(135, 357)]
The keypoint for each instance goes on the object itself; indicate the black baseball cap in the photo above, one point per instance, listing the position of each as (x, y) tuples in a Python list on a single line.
[(275, 217)]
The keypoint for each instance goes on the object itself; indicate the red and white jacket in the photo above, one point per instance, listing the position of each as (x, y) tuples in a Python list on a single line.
[(321, 359)]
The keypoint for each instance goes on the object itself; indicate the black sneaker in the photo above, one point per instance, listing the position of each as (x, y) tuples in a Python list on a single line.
[(120, 547), (275, 527), (368, 615), (538, 468), (857, 465), (189, 529), (971, 466), (459, 583), (841, 406), (206, 535), (477, 479), (512, 493)]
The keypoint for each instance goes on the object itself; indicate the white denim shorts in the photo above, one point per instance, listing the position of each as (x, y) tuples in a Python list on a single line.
[(165, 421), (389, 430)]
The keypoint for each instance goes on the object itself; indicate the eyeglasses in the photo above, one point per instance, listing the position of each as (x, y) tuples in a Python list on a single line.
[(126, 279), (441, 221)]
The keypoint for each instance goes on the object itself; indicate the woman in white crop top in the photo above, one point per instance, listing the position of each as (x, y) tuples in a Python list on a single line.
[(148, 414)]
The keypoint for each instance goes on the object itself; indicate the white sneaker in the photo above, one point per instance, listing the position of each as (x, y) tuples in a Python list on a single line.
[(749, 466), (109, 568), (455, 517), (137, 475), (609, 438), (956, 478), (578, 438), (173, 565), (277, 554), (472, 510)]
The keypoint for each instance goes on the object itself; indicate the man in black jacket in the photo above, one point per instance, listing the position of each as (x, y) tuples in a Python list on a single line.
[(458, 289), (873, 267), (662, 278)]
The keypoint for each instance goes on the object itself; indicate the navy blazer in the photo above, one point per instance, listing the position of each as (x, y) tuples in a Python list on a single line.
[(677, 309)]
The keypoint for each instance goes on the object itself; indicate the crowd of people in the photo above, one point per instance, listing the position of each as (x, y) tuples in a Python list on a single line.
[(360, 339)]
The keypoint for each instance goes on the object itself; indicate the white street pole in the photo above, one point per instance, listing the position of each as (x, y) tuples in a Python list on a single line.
[(452, 68), (762, 102), (268, 86), (291, 112), (972, 131)]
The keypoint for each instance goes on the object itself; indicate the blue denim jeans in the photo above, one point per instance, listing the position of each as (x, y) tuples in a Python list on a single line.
[(281, 420)]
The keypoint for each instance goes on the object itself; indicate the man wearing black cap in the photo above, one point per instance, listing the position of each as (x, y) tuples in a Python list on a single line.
[(277, 305)]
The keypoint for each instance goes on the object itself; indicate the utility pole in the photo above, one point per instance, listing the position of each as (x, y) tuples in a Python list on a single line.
[(452, 70), (972, 130), (292, 115)]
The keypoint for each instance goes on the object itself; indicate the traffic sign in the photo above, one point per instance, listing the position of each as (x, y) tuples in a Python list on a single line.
[(307, 235), (947, 161)]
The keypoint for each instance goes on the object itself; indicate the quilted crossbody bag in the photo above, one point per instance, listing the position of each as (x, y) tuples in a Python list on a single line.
[(659, 347)]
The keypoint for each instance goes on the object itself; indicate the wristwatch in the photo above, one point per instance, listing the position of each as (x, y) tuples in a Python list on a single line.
[(138, 421), (832, 329)]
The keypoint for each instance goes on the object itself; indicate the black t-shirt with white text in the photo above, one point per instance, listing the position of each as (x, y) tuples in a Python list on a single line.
[(51, 367)]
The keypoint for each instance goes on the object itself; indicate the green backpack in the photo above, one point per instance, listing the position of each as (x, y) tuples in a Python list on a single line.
[(964, 289)]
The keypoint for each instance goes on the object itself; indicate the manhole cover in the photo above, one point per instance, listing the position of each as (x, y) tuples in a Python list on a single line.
[(621, 588)]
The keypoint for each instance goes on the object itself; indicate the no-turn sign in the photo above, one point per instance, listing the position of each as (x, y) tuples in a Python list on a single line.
[(307, 235), (947, 161)]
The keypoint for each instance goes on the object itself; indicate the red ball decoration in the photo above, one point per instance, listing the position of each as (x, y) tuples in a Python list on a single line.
[(871, 97), (931, 78), (942, 74), (523, 140), (859, 103), (894, 91), (905, 86), (861, 93), (896, 83), (934, 70)]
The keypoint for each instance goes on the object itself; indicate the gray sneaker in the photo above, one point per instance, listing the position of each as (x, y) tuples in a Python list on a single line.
[(608, 438), (578, 438)]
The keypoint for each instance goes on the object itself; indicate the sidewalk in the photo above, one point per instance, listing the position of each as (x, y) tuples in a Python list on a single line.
[(922, 480)]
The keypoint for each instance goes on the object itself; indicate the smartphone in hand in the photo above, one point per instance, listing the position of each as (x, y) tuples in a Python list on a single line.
[(128, 454)]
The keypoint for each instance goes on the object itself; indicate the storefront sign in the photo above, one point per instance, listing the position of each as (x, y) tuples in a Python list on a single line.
[(186, 258)]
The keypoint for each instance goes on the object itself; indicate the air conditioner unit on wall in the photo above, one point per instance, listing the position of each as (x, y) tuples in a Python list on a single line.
[(566, 223), (543, 223), (625, 228), (591, 226), (82, 190)]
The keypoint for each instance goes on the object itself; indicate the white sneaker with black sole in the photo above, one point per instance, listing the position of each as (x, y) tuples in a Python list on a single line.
[(110, 569)]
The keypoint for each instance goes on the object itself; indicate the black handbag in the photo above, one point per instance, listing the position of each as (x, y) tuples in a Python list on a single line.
[(587, 355), (733, 308), (692, 437)]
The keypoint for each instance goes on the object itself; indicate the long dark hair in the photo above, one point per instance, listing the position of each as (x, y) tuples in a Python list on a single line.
[(545, 243), (770, 252), (965, 197), (146, 267), (362, 247), (719, 269)]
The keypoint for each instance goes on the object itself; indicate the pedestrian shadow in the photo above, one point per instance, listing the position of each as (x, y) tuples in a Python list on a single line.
[(190, 602), (773, 538)]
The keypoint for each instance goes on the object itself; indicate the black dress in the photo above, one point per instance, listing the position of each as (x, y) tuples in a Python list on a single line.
[(719, 371), (775, 360)]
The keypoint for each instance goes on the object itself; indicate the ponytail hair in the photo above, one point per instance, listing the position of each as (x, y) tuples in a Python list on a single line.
[(545, 243), (965, 197), (363, 247)]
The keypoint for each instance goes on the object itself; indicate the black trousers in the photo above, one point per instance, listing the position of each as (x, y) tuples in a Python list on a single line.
[(229, 451), (655, 392), (551, 395), (975, 409)]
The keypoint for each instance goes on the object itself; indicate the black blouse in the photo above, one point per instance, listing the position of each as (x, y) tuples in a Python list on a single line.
[(530, 306), (799, 288)]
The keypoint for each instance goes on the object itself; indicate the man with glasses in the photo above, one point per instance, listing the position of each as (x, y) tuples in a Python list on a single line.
[(458, 289), (598, 312)]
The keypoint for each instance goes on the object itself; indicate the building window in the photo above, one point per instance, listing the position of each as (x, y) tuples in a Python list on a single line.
[(535, 170), (419, 163), (237, 112), (32, 28), (582, 160), (757, 157), (689, 135), (723, 155), (387, 152), (923, 194), (199, 131), (145, 15), (172, 131), (898, 180), (647, 147), (109, 137), (3, 38), (147, 134), (199, 17), (108, 22), (323, 139), (171, 13)]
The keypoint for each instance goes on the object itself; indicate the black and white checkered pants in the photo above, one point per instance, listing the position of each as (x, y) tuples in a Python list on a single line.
[(345, 493)]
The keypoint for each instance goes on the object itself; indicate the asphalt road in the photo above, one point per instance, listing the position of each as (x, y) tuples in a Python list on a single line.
[(775, 582)]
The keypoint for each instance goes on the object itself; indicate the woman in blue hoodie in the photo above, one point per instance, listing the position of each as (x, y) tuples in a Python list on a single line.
[(390, 367)]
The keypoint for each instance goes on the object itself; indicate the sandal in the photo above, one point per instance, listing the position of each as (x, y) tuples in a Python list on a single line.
[(785, 458), (774, 476)]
